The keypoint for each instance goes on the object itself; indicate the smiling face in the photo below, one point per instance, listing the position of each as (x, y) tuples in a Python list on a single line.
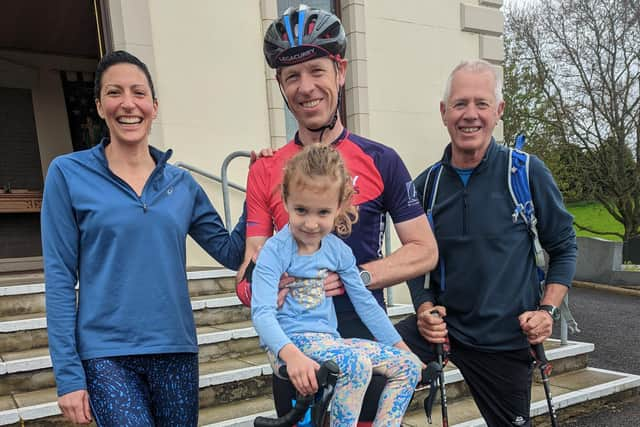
[(311, 89), (470, 114), (312, 205), (126, 103)]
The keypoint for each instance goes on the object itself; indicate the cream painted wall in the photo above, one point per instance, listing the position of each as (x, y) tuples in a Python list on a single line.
[(50, 113), (211, 87), (411, 50)]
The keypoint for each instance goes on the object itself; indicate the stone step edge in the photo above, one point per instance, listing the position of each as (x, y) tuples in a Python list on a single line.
[(43, 362), (51, 408), (38, 288), (537, 408), (35, 323), (571, 398)]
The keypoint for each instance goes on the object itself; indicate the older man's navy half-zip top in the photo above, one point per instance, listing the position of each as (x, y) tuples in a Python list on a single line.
[(490, 271)]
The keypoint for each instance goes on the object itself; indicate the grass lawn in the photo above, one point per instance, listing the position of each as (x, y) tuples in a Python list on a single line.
[(595, 216)]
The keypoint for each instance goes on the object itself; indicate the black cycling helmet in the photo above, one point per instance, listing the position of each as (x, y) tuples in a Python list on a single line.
[(322, 35)]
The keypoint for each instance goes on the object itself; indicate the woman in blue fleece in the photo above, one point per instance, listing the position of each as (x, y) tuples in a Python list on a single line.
[(317, 190), (115, 218)]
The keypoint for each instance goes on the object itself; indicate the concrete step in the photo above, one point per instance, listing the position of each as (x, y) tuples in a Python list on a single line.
[(28, 370), (23, 332), (19, 265), (575, 388), (244, 382), (27, 331), (570, 390), (23, 293)]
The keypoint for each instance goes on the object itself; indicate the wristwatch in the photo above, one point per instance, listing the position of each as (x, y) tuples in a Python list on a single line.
[(365, 276), (552, 310)]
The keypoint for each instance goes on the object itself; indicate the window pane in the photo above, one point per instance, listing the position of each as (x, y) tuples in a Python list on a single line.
[(290, 121)]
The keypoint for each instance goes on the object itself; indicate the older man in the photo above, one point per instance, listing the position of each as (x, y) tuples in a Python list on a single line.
[(486, 288)]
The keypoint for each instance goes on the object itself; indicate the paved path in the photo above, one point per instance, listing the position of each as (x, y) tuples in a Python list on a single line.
[(612, 322)]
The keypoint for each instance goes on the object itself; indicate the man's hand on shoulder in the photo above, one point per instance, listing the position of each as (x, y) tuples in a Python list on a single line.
[(264, 152)]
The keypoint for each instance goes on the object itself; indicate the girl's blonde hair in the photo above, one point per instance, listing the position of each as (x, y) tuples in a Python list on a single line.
[(316, 161)]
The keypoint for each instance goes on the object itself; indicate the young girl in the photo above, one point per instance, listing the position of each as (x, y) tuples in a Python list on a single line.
[(317, 190)]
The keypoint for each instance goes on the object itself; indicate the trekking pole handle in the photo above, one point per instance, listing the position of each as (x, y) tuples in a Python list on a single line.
[(538, 351), (438, 346)]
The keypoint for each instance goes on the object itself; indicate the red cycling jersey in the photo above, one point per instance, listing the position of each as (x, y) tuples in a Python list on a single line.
[(381, 182)]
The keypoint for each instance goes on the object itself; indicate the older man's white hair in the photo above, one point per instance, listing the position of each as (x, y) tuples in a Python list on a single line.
[(475, 66)]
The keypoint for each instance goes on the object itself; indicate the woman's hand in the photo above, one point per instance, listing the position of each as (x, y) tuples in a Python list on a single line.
[(75, 406)]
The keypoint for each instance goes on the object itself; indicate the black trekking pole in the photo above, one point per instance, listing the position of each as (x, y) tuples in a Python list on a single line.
[(545, 370), (443, 394)]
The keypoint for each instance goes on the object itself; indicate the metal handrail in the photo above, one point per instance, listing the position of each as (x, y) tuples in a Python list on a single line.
[(213, 177), (226, 184), (223, 180)]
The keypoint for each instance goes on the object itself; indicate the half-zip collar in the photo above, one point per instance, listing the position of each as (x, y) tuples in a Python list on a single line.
[(335, 142), (446, 157), (159, 157)]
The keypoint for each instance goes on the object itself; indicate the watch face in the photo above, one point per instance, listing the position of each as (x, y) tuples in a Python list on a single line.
[(553, 311)]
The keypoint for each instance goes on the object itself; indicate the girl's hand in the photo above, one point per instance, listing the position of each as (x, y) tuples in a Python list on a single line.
[(301, 370), (402, 346)]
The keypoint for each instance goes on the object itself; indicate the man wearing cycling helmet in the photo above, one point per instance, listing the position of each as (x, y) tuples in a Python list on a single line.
[(306, 47)]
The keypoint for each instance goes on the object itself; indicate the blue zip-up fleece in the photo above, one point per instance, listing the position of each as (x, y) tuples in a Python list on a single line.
[(490, 269), (128, 253)]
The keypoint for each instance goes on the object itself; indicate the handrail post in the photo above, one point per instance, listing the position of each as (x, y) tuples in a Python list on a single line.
[(564, 327), (225, 184), (387, 252)]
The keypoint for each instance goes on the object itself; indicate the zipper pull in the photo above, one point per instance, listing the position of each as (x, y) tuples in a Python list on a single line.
[(144, 207)]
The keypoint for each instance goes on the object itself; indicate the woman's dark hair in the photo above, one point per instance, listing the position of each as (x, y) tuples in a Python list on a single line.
[(119, 57)]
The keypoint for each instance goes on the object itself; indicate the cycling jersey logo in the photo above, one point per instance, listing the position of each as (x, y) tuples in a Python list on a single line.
[(412, 194)]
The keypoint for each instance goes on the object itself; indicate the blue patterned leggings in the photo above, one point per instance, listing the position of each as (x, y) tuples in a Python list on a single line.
[(358, 359), (144, 391)]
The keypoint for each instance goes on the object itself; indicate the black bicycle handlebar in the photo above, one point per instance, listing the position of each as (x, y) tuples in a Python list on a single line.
[(327, 376)]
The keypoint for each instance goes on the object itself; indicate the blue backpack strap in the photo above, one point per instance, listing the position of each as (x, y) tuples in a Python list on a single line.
[(429, 196), (520, 190), (518, 182)]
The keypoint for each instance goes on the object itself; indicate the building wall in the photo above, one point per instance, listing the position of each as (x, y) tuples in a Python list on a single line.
[(217, 95)]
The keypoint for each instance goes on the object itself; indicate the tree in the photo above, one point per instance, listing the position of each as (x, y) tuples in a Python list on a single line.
[(574, 67)]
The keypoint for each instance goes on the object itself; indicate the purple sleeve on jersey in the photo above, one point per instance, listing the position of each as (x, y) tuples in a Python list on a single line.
[(400, 197)]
